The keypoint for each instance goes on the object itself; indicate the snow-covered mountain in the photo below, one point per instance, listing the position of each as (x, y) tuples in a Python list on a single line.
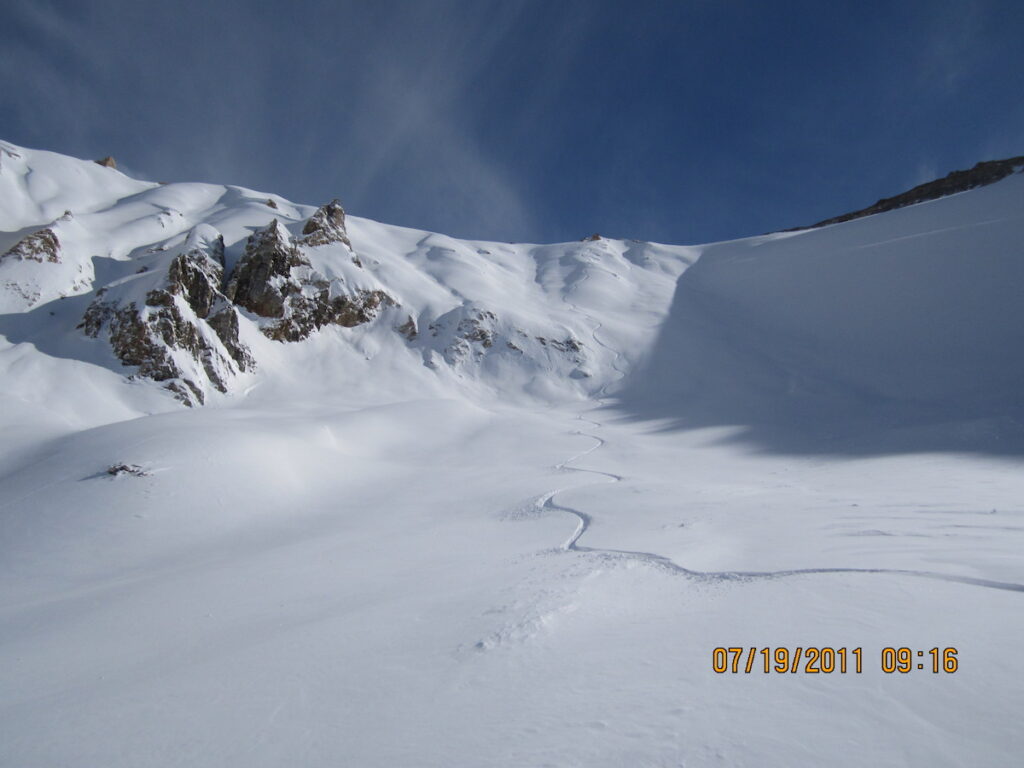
[(281, 486), (187, 285)]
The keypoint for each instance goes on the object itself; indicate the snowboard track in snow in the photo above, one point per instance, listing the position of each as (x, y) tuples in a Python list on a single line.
[(547, 503)]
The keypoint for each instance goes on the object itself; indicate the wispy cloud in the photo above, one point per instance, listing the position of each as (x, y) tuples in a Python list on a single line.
[(956, 41), (522, 119), (382, 103), (411, 112)]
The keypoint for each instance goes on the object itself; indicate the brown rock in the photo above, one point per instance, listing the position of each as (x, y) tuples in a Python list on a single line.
[(262, 279), (409, 329), (275, 280), (39, 246), (326, 226), (147, 336)]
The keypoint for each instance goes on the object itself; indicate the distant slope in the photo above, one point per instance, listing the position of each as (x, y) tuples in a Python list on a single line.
[(913, 316), (982, 174)]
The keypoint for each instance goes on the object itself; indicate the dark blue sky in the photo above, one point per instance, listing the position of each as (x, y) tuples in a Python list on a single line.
[(531, 121)]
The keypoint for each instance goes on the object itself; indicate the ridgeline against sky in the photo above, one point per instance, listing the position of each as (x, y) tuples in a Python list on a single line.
[(528, 121)]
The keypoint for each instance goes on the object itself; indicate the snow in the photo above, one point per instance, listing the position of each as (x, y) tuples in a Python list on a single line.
[(374, 551), (908, 316)]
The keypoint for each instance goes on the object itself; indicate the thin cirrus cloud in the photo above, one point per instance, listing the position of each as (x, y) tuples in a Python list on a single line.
[(375, 103), (527, 120)]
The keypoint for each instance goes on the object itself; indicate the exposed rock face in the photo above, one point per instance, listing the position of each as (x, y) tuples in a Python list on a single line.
[(275, 280), (107, 162), (182, 330), (262, 280), (39, 246), (409, 329), (172, 321), (983, 173), (326, 226)]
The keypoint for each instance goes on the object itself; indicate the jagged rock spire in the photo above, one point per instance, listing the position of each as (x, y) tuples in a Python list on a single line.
[(326, 226)]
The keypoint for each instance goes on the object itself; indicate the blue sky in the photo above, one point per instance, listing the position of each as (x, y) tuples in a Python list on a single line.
[(679, 122)]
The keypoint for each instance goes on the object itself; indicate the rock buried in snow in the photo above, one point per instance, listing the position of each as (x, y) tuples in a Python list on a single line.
[(470, 333), (408, 329), (107, 162), (116, 470), (39, 246)]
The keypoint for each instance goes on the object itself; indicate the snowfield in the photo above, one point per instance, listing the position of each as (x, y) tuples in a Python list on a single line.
[(505, 517)]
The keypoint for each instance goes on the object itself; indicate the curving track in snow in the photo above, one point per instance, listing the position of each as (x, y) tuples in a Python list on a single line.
[(572, 544)]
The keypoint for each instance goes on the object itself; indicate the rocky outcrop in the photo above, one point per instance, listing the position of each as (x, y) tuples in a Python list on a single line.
[(408, 329), (275, 280), (134, 470), (982, 174), (173, 323), (262, 280), (472, 334), (326, 226), (41, 246), (44, 265), (107, 162), (465, 333), (176, 319)]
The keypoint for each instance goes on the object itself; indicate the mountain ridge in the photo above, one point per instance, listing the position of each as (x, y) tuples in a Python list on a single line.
[(982, 174), (179, 277)]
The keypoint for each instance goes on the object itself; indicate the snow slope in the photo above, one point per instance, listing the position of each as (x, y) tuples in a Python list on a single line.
[(381, 548), (532, 308), (903, 318)]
